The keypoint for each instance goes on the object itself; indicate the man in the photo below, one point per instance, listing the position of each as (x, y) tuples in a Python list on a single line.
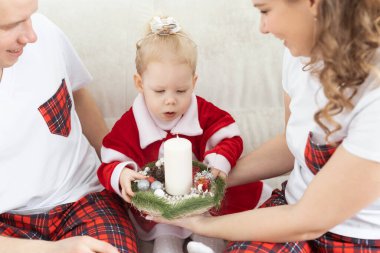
[(48, 185)]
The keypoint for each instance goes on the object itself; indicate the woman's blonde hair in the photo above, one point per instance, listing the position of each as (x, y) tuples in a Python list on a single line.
[(156, 46), (347, 37)]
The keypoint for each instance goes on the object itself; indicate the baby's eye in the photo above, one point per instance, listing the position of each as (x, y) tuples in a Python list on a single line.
[(181, 91), (159, 91)]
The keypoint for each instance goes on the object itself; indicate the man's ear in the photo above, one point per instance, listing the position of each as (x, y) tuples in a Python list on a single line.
[(138, 82), (314, 6)]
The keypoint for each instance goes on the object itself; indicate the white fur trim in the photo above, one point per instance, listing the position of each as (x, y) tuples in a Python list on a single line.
[(218, 161), (226, 132), (115, 177), (149, 132)]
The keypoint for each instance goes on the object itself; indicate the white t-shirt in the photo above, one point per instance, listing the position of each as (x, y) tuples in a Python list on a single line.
[(360, 134), (40, 169)]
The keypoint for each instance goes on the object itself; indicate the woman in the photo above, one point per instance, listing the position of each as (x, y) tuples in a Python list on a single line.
[(331, 81)]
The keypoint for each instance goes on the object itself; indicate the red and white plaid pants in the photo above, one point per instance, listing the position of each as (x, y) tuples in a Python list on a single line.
[(100, 215)]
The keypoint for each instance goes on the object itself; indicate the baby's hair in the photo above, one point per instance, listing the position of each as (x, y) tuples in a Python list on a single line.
[(165, 41)]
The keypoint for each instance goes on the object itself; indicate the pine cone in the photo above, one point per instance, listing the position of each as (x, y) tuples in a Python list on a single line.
[(159, 174)]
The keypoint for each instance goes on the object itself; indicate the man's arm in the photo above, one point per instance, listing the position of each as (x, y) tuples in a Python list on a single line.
[(78, 244), (93, 124)]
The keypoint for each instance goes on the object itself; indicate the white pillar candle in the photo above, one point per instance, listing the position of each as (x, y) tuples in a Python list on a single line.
[(178, 166)]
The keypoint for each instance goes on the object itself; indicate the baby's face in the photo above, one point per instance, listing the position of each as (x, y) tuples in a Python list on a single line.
[(167, 88)]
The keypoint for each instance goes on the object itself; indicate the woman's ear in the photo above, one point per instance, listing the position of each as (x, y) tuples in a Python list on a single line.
[(314, 6), (138, 82)]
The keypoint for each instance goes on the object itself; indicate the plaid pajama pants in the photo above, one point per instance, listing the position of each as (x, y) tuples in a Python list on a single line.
[(315, 156), (327, 243), (100, 215)]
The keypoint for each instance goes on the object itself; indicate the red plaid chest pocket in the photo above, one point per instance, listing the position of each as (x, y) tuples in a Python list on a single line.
[(56, 111), (316, 156)]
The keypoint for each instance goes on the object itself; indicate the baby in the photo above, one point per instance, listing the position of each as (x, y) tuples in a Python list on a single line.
[(166, 106)]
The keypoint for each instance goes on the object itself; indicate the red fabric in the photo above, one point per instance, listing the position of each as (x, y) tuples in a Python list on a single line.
[(56, 111), (105, 172), (124, 138), (240, 198), (100, 215), (213, 119), (316, 156)]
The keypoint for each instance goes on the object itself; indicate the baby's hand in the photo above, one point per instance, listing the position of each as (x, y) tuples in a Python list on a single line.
[(127, 176), (218, 173)]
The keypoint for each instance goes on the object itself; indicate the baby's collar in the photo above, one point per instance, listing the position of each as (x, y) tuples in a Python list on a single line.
[(149, 132)]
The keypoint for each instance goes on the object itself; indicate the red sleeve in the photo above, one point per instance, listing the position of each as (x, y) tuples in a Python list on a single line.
[(212, 119), (104, 174), (122, 138), (230, 148)]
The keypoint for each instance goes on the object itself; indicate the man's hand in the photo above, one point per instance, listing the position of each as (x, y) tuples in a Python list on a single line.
[(81, 244), (77, 244)]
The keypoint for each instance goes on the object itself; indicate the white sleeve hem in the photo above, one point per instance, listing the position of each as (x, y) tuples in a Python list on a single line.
[(226, 132), (218, 161)]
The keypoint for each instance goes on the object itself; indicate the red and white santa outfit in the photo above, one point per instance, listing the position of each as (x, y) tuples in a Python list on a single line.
[(137, 139)]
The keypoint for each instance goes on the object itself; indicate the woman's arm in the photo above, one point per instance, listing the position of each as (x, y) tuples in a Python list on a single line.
[(272, 159), (344, 186), (93, 125)]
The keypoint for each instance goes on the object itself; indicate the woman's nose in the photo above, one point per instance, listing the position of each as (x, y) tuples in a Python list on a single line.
[(263, 27)]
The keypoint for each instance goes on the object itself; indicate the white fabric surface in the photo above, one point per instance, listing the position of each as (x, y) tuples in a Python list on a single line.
[(359, 130), (41, 182)]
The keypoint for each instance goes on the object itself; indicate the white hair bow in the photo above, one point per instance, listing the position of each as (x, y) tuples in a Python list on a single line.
[(164, 26)]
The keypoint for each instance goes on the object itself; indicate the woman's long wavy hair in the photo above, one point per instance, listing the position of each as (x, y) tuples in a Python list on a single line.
[(347, 37)]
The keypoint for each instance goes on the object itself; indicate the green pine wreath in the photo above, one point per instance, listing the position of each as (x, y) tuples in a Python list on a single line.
[(175, 207)]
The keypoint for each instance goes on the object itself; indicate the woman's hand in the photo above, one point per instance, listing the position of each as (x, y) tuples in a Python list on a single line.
[(127, 176), (190, 223)]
